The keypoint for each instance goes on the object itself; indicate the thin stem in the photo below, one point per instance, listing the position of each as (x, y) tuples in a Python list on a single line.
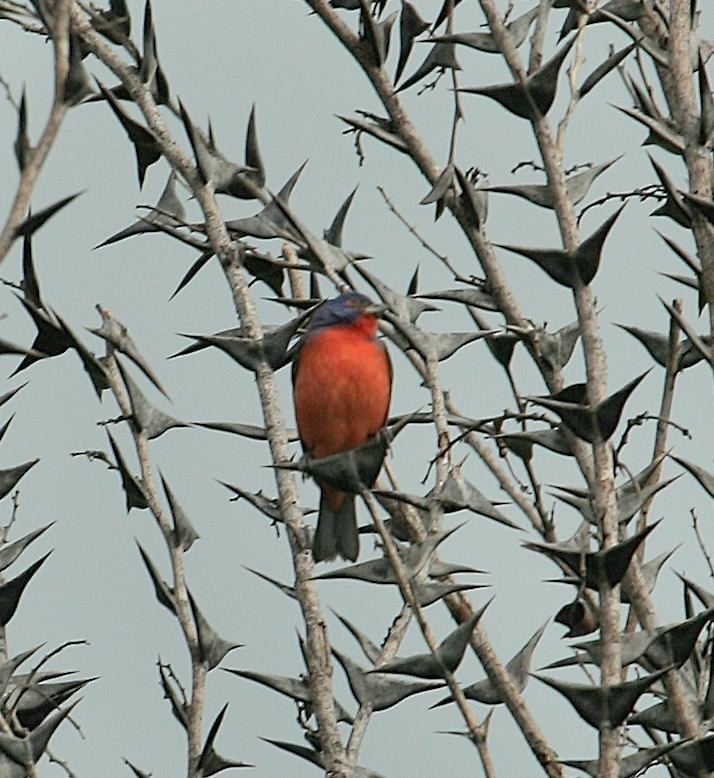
[(38, 154), (679, 90)]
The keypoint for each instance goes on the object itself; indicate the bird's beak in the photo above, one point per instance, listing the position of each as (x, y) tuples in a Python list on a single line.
[(376, 309)]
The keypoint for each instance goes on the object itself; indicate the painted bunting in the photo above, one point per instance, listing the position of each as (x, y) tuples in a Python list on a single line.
[(342, 383)]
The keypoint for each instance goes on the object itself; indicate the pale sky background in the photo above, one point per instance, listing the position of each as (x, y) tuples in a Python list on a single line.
[(220, 58)]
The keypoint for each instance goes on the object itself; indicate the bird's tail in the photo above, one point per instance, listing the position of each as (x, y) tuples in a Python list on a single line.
[(336, 533)]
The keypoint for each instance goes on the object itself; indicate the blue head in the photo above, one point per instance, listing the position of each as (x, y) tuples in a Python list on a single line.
[(348, 308)]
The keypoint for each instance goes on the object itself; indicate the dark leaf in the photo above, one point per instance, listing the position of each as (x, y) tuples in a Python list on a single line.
[(706, 479), (444, 12), (164, 593), (382, 131), (178, 706), (674, 206), (703, 344), (272, 221), (137, 772), (694, 757), (517, 31), (375, 690), (609, 565), (133, 490), (22, 147), (227, 177), (578, 617), (521, 443), (212, 646), (93, 366), (210, 762), (447, 656), (11, 476), (10, 552), (577, 186), (661, 132), (33, 702), (411, 25), (34, 222), (377, 34), (478, 296), (674, 645), (371, 650), (657, 345), (456, 494), (586, 422), (630, 765), (51, 339), (11, 591), (294, 688), (518, 668), (604, 68), (441, 55), (536, 92), (168, 210), (599, 705), (30, 284), (289, 591), (150, 71), (146, 147), (184, 533), (146, 418), (567, 267), (77, 85), (114, 24), (28, 750)]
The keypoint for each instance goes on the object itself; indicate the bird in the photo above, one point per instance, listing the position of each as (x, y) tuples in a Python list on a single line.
[(342, 385)]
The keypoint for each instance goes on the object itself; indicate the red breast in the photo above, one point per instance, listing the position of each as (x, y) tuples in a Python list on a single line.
[(342, 387)]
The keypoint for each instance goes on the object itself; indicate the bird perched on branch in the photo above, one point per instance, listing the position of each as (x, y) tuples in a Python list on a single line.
[(342, 383)]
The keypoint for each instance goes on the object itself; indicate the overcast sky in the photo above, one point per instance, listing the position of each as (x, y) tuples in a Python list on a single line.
[(220, 59)]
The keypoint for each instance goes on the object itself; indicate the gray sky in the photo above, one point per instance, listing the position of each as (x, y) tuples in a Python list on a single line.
[(220, 58)]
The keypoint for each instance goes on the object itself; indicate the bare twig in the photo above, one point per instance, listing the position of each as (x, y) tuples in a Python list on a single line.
[(58, 110), (701, 543)]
